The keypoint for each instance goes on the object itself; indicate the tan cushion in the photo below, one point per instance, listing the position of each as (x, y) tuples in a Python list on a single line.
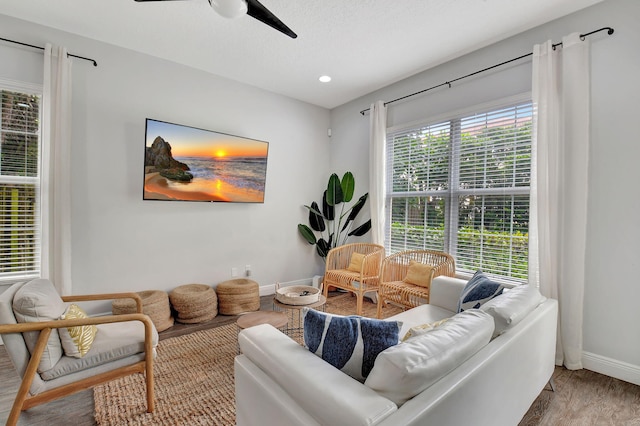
[(418, 330), (76, 341), (38, 301), (419, 274), (356, 262)]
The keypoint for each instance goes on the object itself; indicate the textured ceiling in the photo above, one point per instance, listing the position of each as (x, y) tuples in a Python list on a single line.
[(362, 44)]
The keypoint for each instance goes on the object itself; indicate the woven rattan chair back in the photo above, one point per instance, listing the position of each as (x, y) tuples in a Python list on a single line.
[(394, 269), (361, 282)]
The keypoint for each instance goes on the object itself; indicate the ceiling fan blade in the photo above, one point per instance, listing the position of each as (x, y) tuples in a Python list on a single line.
[(256, 10)]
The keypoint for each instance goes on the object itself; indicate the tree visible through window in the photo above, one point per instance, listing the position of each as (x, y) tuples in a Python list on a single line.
[(19, 185), (462, 186)]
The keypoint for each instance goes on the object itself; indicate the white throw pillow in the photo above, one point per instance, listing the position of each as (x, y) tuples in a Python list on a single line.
[(38, 301), (403, 371), (509, 308)]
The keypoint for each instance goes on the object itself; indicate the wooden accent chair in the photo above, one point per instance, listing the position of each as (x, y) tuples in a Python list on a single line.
[(393, 286), (123, 345), (354, 268)]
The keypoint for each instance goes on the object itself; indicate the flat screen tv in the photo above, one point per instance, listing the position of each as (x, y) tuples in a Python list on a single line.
[(183, 163)]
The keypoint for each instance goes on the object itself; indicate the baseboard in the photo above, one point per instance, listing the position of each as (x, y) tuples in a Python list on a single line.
[(611, 367), (270, 289)]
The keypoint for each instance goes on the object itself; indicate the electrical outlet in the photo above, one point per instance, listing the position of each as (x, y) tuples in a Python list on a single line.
[(234, 272), (247, 270)]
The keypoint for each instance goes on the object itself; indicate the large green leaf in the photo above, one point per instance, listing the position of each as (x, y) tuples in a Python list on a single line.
[(362, 229), (322, 247), (348, 185), (357, 207), (315, 218), (328, 211), (334, 193), (307, 233)]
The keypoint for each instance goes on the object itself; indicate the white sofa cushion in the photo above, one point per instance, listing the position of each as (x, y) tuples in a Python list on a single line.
[(512, 306), (405, 370), (317, 387), (38, 301), (349, 343)]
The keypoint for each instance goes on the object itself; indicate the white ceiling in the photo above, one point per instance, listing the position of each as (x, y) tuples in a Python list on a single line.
[(362, 44)]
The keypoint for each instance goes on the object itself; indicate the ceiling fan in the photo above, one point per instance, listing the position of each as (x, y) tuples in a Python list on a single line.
[(253, 8)]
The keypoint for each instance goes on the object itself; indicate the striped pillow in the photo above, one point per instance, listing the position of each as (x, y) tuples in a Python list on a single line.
[(349, 343)]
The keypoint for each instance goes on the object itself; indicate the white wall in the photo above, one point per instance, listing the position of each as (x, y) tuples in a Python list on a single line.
[(611, 326), (119, 241)]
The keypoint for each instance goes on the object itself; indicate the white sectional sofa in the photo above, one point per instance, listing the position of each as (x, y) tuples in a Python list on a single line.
[(279, 382)]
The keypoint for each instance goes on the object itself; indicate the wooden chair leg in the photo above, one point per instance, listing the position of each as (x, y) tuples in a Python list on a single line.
[(359, 300), (27, 379)]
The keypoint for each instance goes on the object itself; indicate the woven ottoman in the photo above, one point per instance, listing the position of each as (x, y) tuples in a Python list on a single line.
[(155, 304), (238, 296), (194, 303)]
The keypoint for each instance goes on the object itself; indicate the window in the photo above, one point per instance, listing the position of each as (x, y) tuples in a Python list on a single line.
[(19, 183), (461, 185)]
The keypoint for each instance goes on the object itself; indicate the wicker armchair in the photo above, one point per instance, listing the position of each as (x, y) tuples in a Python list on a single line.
[(337, 272), (394, 269)]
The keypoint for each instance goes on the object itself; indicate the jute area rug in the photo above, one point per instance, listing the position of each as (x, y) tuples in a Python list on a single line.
[(194, 378)]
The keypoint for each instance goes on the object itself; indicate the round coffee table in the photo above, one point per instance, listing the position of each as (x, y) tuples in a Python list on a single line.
[(276, 319), (295, 328)]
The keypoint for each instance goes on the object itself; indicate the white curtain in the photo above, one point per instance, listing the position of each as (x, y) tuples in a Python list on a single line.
[(377, 169), (56, 169), (560, 163)]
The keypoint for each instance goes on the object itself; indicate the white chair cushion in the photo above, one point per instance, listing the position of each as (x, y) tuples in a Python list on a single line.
[(509, 308), (405, 370), (113, 341), (37, 301)]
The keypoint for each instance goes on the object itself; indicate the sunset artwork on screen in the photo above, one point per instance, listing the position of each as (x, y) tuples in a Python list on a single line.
[(185, 163)]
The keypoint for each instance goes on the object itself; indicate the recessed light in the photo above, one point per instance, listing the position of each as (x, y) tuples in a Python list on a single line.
[(325, 78)]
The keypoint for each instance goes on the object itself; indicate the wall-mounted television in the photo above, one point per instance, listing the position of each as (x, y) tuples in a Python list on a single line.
[(183, 163)]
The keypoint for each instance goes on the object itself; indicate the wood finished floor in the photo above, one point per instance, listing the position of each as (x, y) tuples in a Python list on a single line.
[(581, 398)]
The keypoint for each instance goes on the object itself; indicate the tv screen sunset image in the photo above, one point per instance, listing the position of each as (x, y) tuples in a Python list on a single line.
[(190, 164)]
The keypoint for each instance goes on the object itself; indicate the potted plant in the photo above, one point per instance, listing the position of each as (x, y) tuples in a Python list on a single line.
[(334, 227)]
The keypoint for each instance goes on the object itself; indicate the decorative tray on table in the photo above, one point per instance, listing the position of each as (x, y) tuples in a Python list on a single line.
[(297, 294)]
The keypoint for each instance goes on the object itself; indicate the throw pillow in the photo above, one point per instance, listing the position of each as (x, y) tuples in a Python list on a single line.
[(356, 262), (76, 341), (38, 301), (479, 290), (419, 274), (512, 306), (404, 370), (349, 343), (419, 330)]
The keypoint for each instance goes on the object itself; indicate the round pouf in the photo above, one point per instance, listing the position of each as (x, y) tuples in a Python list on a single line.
[(155, 304), (238, 296), (194, 303)]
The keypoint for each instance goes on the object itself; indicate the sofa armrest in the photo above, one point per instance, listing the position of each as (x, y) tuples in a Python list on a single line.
[(324, 392), (445, 292)]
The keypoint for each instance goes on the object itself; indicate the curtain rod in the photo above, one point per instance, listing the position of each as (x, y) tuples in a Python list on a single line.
[(95, 64), (448, 83)]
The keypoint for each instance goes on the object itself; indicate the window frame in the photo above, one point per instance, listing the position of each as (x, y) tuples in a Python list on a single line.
[(453, 192), (36, 90)]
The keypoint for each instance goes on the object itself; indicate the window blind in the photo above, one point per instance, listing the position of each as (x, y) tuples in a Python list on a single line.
[(462, 186), (19, 186)]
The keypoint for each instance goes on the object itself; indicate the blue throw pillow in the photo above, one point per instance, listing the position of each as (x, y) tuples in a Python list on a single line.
[(478, 290), (349, 343)]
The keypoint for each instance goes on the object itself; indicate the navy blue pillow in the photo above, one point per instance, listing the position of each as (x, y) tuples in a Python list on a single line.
[(349, 343), (477, 291)]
